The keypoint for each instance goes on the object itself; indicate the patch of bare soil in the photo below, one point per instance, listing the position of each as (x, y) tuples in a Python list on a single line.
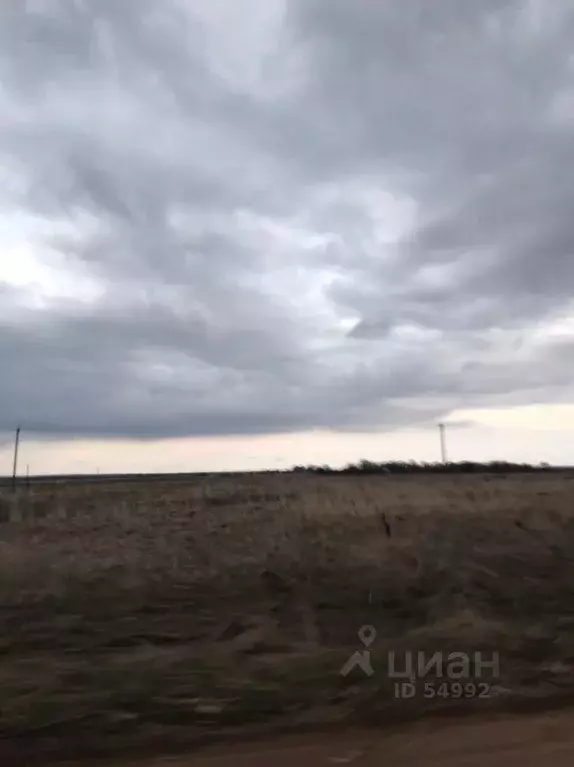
[(529, 741)]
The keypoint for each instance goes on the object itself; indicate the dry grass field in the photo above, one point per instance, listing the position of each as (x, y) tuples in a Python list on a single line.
[(140, 612)]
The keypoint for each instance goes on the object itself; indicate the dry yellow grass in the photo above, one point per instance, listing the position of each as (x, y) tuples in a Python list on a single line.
[(176, 607)]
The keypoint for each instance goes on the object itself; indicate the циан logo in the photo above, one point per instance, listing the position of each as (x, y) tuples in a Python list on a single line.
[(362, 658)]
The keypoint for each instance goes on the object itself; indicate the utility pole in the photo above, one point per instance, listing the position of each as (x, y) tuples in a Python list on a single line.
[(16, 447), (442, 431)]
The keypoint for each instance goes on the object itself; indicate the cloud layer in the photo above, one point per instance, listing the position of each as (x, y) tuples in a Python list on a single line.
[(279, 216)]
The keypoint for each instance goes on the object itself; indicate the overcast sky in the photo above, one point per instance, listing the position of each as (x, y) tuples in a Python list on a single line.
[(286, 230)]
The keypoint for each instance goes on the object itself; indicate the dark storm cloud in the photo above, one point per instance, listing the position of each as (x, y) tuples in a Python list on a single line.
[(289, 215)]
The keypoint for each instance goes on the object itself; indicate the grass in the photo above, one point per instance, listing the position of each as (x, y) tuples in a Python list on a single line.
[(173, 611)]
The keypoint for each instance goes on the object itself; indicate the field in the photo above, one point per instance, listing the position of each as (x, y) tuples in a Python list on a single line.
[(136, 612)]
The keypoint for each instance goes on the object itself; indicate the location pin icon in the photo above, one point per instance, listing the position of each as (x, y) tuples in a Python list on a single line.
[(367, 635)]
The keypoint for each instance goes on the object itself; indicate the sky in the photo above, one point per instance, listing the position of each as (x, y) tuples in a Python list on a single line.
[(245, 234)]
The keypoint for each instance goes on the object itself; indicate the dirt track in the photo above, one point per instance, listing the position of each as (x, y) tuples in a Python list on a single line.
[(527, 741)]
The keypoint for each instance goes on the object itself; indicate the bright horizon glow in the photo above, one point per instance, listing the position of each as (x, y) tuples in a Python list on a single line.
[(530, 434)]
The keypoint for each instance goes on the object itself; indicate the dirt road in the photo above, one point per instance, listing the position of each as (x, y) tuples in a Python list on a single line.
[(526, 741)]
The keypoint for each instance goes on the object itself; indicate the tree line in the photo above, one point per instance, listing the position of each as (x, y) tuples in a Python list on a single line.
[(416, 467)]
